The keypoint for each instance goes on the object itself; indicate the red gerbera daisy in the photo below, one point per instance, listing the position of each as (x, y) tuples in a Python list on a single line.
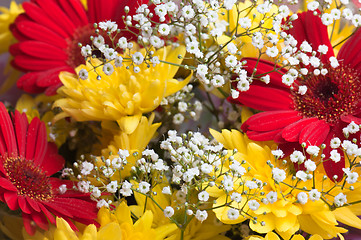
[(330, 103), (49, 32), (27, 161)]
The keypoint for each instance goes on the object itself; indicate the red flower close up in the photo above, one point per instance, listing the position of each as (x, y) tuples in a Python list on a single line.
[(27, 160), (49, 32), (331, 101)]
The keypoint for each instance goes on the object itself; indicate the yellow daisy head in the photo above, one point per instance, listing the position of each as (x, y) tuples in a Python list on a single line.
[(117, 224), (134, 143), (279, 206), (124, 95)]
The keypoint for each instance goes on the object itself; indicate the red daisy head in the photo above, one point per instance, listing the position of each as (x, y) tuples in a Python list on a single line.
[(331, 101), (27, 161), (48, 33)]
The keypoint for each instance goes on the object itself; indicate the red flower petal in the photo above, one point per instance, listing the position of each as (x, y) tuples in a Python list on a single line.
[(41, 50), (11, 199), (269, 121), (36, 14), (7, 131), (262, 136), (54, 12), (5, 183), (33, 204), (40, 220), (29, 227), (47, 213), (23, 204), (264, 98), (262, 67), (310, 28), (292, 132), (350, 51), (54, 162), (21, 127), (350, 118), (314, 134), (31, 138)]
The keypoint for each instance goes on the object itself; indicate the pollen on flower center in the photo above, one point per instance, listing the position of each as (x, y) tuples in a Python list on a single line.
[(29, 179), (331, 96)]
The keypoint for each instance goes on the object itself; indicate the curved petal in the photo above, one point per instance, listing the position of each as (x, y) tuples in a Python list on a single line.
[(29, 227), (21, 127), (310, 28), (292, 132), (314, 134), (11, 199), (272, 120), (264, 98), (262, 136), (7, 131), (53, 162), (350, 51)]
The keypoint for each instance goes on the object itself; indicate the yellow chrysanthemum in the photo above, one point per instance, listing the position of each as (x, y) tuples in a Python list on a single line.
[(232, 17), (123, 96), (286, 215), (137, 141), (210, 229), (113, 226), (273, 236)]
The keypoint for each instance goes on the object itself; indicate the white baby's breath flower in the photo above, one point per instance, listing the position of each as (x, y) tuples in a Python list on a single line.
[(340, 200), (201, 215), (203, 196), (314, 195), (168, 212), (253, 205), (302, 198), (232, 214)]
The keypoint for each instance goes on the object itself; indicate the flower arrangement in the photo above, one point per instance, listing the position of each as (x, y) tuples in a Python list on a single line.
[(174, 120)]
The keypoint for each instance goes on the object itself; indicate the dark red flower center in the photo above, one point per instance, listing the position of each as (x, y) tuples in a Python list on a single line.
[(330, 96), (30, 180), (81, 35)]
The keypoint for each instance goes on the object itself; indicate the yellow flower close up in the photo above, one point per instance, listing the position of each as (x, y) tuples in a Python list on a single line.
[(113, 226), (286, 215), (124, 95)]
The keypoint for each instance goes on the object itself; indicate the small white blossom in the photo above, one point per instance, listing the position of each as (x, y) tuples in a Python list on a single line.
[(62, 189), (297, 157), (314, 195), (313, 150), (201, 215), (237, 197), (203, 196), (232, 214), (302, 197), (108, 69), (166, 190), (272, 197), (253, 205), (112, 187), (168, 212), (278, 174), (310, 165), (301, 175), (335, 142), (335, 156), (340, 200), (144, 187)]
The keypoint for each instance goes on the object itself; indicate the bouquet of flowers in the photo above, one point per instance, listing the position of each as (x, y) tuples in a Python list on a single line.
[(180, 119)]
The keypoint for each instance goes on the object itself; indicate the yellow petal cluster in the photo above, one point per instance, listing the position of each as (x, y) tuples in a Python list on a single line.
[(124, 95), (273, 236), (40, 107), (117, 225), (232, 17), (210, 229), (286, 215), (135, 142)]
